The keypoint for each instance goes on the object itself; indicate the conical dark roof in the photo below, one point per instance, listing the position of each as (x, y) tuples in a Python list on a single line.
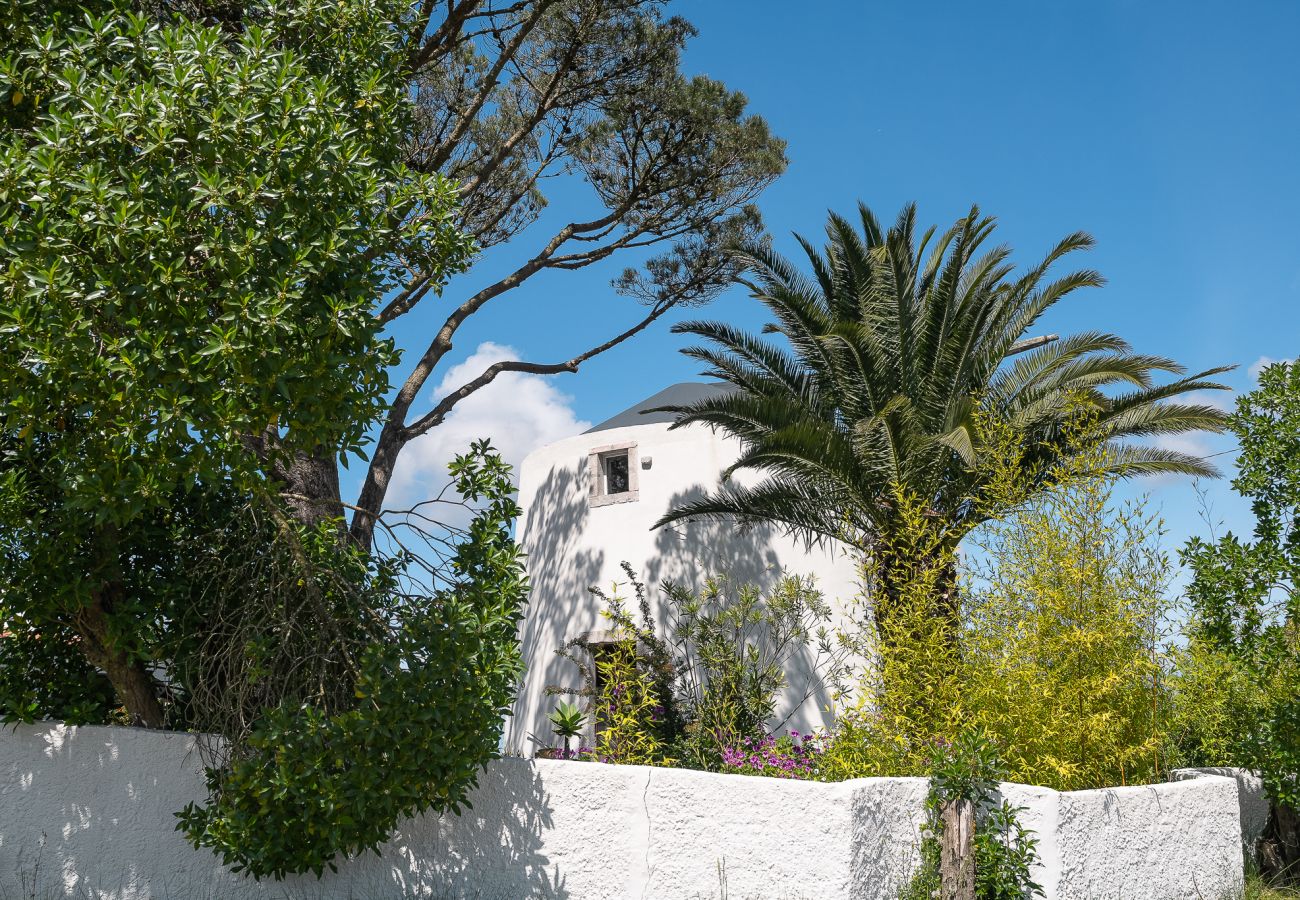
[(675, 395)]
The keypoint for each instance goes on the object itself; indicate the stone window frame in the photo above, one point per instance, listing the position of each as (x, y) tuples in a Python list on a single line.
[(597, 643), (596, 474)]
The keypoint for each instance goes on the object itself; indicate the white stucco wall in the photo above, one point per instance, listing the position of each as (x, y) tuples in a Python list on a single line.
[(572, 546), (1252, 803), (1175, 840), (89, 812)]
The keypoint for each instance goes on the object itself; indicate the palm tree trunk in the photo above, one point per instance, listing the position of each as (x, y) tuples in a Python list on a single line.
[(923, 585), (916, 611)]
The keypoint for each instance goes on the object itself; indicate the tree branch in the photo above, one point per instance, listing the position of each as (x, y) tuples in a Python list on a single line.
[(412, 294), (489, 84), (542, 110), (424, 50), (435, 416)]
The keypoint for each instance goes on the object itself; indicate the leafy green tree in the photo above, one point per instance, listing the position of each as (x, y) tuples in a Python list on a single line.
[(1061, 644), (195, 223), (426, 700), (1244, 650), (512, 102), (895, 350), (585, 99)]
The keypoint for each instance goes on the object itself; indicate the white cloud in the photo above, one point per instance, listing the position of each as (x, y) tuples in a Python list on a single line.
[(1192, 444), (517, 412), (1263, 363), (1220, 400)]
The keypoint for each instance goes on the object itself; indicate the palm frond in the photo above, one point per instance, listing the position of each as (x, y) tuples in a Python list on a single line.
[(891, 351)]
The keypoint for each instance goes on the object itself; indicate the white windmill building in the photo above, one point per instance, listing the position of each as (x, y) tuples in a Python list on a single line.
[(589, 504)]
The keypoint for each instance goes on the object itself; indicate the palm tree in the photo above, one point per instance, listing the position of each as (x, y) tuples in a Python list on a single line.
[(895, 352)]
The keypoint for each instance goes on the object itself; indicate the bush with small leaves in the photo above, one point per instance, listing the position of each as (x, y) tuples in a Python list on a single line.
[(310, 785), (968, 769)]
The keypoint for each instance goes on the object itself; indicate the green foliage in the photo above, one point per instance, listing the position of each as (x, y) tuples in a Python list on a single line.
[(567, 720), (195, 228), (969, 769), (713, 684), (1241, 670), (1061, 640), (195, 224), (267, 612), (895, 351), (152, 564), (908, 692), (310, 783), (628, 712), (1054, 649), (734, 643), (43, 675), (672, 162), (1257, 888), (628, 681)]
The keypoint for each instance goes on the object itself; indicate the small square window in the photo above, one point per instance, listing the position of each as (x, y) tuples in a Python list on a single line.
[(612, 471)]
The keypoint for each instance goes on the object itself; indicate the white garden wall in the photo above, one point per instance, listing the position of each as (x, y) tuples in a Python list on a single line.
[(1252, 803), (88, 812), (1176, 840)]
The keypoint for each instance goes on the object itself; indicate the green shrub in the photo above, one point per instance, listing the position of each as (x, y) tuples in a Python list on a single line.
[(908, 691), (310, 784), (735, 643), (713, 683), (1062, 655), (629, 715), (1052, 647), (1240, 672), (630, 683)]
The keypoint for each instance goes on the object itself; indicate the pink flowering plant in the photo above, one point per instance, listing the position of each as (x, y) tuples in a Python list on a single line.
[(786, 756)]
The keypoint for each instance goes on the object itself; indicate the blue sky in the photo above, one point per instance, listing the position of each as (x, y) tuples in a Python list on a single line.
[(1168, 131)]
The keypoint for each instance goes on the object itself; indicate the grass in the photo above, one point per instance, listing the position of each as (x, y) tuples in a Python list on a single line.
[(1258, 889)]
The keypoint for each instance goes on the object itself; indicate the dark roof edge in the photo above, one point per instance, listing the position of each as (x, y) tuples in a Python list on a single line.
[(673, 395)]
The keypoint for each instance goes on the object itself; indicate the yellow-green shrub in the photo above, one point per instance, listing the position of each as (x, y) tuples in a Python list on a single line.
[(627, 709), (1053, 648), (909, 693), (1061, 640)]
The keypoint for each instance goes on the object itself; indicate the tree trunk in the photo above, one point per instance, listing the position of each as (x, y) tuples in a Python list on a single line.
[(312, 483), (957, 851), (380, 472), (1279, 847), (310, 480), (133, 683)]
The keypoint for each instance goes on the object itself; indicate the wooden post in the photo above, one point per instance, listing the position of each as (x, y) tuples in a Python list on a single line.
[(957, 851)]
